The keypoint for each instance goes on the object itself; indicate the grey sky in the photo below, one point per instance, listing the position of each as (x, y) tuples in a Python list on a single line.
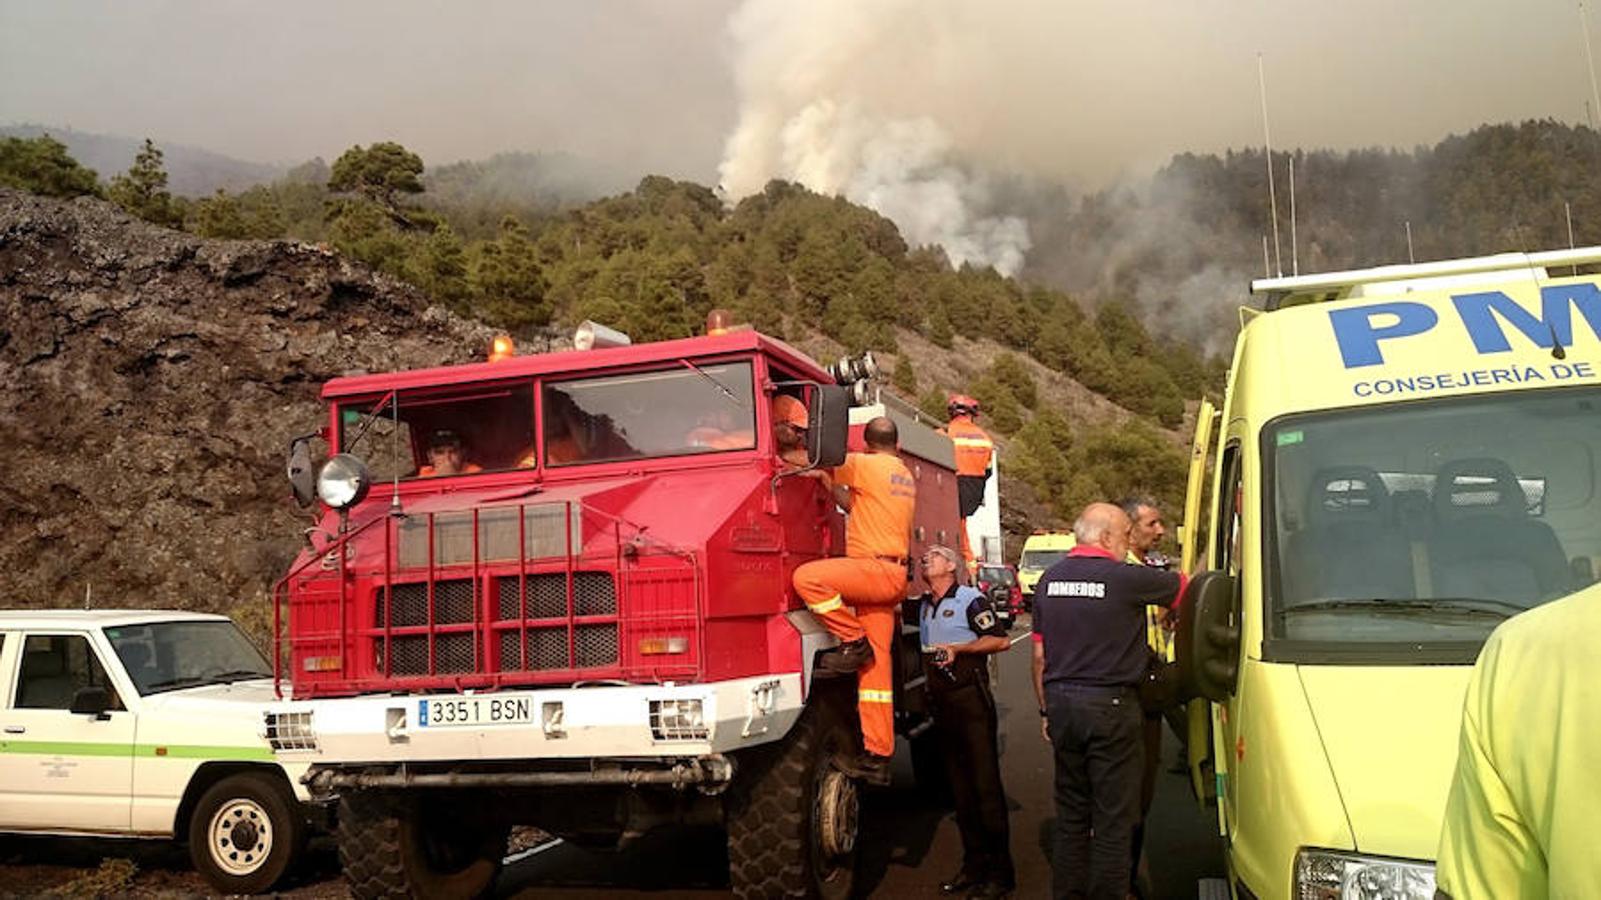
[(1077, 90)]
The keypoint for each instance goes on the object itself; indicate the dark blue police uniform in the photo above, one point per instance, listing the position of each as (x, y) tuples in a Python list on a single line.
[(965, 726), (1089, 612)]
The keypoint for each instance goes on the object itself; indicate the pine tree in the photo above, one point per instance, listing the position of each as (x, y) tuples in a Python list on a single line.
[(379, 173), (43, 166), (142, 190), (904, 378), (219, 216)]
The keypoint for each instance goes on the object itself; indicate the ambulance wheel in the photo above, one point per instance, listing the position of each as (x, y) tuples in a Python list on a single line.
[(791, 818), (245, 833), (392, 848), (928, 767)]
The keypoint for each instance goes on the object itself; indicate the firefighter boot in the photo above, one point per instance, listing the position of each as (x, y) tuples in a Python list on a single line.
[(847, 658), (869, 768)]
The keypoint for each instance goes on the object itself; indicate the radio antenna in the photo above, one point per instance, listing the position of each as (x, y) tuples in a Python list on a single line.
[(1295, 254), (1267, 142), (1589, 59), (1567, 211)]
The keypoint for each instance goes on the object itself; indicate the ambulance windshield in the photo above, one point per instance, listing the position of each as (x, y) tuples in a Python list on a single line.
[(1431, 523), (1041, 559)]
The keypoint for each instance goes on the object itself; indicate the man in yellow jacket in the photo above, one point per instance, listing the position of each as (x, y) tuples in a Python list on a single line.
[(1525, 805)]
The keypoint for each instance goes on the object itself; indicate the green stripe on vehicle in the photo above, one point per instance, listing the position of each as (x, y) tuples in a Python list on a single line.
[(167, 751)]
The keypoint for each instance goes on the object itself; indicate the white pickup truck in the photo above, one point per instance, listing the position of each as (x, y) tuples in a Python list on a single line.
[(147, 724)]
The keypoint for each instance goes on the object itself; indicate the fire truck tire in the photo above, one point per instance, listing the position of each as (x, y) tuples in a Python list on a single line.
[(928, 767), (787, 796), (390, 847), (245, 833)]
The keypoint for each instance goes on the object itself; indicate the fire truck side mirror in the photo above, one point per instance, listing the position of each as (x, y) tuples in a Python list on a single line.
[(829, 427), (302, 476)]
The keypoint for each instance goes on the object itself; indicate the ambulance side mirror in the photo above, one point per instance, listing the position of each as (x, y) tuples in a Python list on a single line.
[(1208, 636), (829, 426)]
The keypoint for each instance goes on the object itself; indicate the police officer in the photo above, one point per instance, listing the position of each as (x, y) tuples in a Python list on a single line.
[(959, 631), (1089, 656)]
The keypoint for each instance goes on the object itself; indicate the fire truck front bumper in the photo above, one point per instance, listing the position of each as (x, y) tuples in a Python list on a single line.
[(598, 722)]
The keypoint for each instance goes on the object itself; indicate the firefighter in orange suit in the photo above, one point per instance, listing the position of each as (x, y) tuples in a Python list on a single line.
[(975, 453), (877, 490), (790, 423)]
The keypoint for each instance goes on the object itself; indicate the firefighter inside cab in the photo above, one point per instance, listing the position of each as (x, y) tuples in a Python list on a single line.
[(975, 454)]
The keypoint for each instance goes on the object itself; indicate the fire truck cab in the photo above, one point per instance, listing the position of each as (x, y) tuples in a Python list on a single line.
[(554, 590)]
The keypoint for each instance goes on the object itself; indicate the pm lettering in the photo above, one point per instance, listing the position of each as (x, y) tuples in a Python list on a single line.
[(1359, 330), (1482, 314)]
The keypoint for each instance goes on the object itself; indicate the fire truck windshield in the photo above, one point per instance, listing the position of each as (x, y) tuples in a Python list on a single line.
[(678, 411), (486, 428)]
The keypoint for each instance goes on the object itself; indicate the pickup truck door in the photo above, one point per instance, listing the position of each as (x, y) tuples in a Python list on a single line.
[(59, 770)]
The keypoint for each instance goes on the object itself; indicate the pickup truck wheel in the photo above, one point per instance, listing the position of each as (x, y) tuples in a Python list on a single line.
[(245, 833), (792, 822), (392, 848)]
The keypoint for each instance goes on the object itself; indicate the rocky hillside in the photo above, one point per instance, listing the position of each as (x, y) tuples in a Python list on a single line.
[(151, 382)]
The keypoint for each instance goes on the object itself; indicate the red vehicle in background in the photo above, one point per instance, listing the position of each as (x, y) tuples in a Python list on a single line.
[(589, 627), (999, 582)]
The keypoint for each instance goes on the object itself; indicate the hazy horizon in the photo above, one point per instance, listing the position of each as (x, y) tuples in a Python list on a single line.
[(1077, 95)]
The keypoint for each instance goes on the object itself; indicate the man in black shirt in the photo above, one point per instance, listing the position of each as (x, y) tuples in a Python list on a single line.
[(1089, 656)]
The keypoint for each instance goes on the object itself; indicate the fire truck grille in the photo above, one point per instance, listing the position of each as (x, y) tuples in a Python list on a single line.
[(453, 604), (595, 645), (594, 594), (453, 654)]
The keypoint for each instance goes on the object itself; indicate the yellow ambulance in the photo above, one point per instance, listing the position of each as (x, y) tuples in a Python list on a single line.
[(1405, 457), (1041, 550)]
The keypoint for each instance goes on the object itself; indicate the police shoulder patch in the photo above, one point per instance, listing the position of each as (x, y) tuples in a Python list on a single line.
[(985, 619)]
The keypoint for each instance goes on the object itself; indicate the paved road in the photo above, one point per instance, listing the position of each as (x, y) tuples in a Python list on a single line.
[(908, 847)]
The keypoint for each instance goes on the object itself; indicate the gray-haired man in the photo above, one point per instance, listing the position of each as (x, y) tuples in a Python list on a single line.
[(959, 631)]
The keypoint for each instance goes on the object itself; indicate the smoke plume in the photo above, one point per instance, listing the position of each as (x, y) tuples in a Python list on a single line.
[(845, 98)]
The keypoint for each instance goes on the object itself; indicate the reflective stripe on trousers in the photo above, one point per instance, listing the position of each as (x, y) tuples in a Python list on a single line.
[(876, 588)]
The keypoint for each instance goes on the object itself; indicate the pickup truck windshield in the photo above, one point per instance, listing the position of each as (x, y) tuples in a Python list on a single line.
[(1431, 522), (686, 409), (166, 656)]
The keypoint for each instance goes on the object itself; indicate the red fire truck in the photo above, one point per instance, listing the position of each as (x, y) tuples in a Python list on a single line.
[(583, 621)]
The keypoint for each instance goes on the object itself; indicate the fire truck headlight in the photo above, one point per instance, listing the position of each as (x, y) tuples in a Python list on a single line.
[(678, 720), (343, 481)]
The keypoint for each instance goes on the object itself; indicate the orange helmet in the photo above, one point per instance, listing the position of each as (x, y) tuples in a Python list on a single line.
[(961, 404), (788, 410)]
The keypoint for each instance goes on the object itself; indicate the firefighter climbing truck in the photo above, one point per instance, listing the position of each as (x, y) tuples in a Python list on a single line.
[(589, 627)]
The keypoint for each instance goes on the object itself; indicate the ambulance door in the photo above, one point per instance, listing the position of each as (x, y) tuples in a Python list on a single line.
[(1213, 732), (1191, 550), (63, 771)]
